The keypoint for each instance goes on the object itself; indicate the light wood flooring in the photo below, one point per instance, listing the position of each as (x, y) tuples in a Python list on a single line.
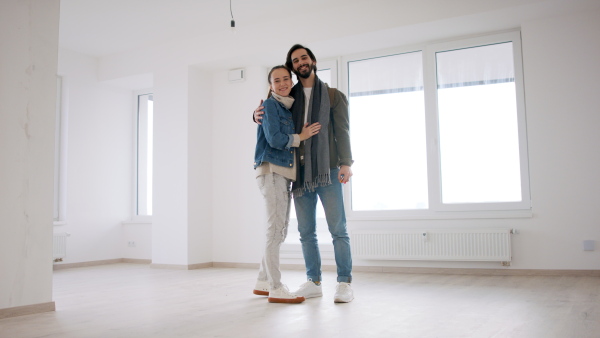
[(134, 300)]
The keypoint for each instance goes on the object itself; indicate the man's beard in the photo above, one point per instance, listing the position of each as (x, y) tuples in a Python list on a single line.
[(307, 74)]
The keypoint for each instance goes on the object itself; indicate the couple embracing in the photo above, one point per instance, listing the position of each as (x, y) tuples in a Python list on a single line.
[(303, 148)]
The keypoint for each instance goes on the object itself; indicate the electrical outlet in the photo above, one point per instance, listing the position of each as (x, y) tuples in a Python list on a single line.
[(131, 244)]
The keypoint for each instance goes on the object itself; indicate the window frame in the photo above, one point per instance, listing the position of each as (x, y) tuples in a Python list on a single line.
[(331, 64), (60, 152), (437, 209), (135, 218)]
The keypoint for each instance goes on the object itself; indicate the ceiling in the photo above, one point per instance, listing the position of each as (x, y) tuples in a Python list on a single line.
[(104, 27), (197, 31)]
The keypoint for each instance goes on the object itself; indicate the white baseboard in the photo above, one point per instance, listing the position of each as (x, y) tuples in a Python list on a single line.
[(27, 310), (356, 268)]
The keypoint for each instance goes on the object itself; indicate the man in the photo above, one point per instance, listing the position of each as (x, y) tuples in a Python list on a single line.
[(324, 163)]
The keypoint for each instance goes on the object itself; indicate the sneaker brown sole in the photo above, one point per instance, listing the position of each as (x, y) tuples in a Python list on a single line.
[(286, 300), (260, 292)]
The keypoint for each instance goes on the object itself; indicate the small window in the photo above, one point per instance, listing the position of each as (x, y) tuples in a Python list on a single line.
[(60, 153), (144, 140), (57, 138)]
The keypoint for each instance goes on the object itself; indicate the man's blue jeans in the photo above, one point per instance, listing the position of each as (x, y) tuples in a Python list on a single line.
[(333, 203)]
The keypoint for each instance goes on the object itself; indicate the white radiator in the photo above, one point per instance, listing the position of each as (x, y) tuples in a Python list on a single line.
[(60, 245), (434, 245)]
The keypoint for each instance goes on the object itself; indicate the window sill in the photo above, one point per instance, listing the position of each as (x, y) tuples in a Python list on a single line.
[(432, 215), (138, 220)]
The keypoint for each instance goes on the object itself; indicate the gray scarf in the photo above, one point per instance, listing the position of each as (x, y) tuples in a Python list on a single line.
[(314, 152)]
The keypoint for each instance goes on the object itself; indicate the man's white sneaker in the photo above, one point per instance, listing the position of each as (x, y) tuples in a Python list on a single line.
[(261, 288), (283, 295), (343, 293), (309, 290)]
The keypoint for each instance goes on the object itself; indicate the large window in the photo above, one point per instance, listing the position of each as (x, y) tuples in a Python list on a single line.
[(388, 133), (439, 129), (478, 129)]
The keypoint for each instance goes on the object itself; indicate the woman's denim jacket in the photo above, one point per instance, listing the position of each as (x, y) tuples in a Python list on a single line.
[(274, 137)]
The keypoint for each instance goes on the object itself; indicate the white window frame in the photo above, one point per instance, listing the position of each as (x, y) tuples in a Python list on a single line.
[(436, 209), (60, 152), (135, 218), (331, 64)]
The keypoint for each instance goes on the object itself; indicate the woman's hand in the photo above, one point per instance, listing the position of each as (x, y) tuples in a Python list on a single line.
[(309, 130)]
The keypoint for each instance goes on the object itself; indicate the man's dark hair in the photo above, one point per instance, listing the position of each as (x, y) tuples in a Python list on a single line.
[(288, 59)]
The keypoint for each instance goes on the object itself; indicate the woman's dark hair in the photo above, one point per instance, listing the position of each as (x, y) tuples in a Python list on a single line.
[(271, 72), (288, 59)]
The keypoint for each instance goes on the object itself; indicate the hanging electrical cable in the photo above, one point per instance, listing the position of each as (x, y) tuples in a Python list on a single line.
[(232, 20)]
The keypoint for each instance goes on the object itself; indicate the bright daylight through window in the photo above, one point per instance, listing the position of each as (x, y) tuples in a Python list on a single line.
[(144, 155), (452, 140), (478, 125), (388, 133)]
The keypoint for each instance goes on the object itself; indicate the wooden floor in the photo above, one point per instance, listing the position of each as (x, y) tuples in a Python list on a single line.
[(134, 300)]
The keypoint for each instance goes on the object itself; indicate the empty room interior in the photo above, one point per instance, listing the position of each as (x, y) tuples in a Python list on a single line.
[(129, 203)]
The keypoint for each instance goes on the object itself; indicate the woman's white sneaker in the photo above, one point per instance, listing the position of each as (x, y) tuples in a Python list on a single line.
[(343, 293), (283, 295), (261, 288), (310, 290)]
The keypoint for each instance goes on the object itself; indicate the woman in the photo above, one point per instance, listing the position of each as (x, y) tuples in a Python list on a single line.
[(274, 163)]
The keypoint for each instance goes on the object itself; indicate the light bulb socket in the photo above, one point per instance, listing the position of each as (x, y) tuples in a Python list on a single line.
[(232, 23)]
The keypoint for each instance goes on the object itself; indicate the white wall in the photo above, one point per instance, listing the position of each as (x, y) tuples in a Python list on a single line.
[(561, 87), (238, 216), (28, 50), (100, 162), (207, 205), (170, 195), (140, 233), (200, 153)]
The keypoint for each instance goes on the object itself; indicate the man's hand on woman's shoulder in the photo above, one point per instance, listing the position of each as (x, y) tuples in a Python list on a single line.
[(258, 113)]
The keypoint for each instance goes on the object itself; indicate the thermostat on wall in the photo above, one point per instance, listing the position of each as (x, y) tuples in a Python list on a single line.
[(236, 75)]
